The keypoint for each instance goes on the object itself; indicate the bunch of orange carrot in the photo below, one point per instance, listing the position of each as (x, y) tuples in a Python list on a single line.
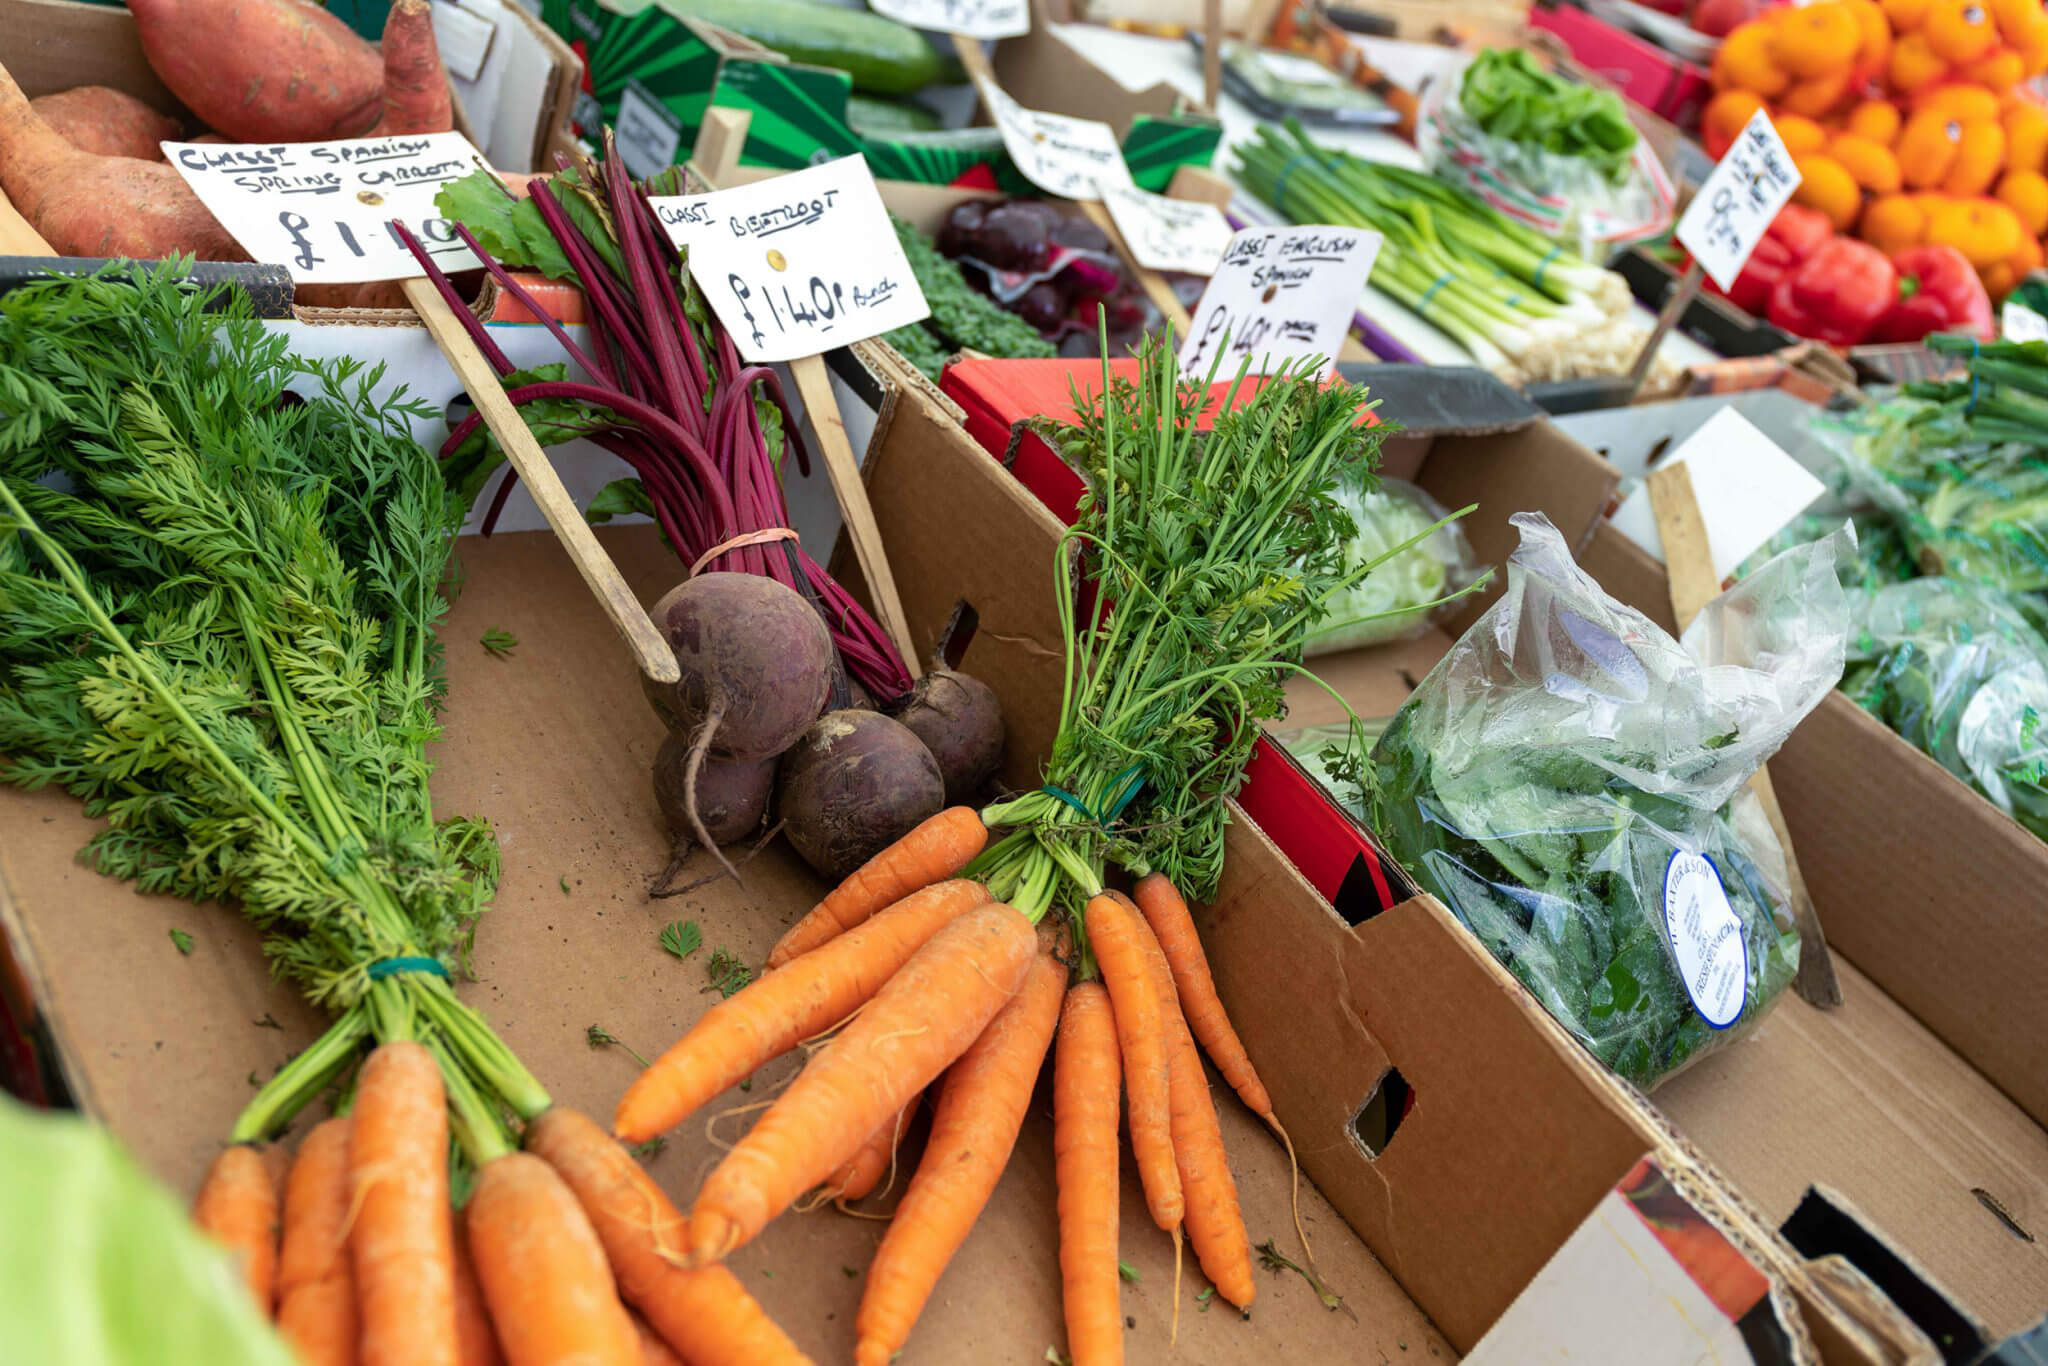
[(923, 973), (566, 1251)]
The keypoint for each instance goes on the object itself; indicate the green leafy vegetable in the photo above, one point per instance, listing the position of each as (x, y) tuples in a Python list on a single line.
[(1419, 564), (620, 498), (182, 941), (1270, 1257), (1128, 1272), (682, 937), (597, 1036), (963, 318), (499, 644), (1511, 95)]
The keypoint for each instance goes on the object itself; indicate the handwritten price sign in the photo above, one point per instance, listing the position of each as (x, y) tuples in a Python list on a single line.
[(1168, 234), (1727, 218), (973, 18), (1072, 158), (798, 264), (323, 209), (1279, 295)]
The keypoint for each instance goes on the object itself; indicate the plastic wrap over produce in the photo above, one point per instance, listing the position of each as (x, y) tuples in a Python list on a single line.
[(1409, 586), (1569, 778)]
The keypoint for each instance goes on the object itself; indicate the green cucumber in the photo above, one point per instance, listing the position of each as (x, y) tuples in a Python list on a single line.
[(883, 56), (876, 117)]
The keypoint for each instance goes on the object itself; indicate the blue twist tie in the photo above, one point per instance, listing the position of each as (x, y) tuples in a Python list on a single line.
[(1080, 807), (1975, 348), (1130, 794), (391, 967), (1280, 186), (1430, 293), (1548, 257)]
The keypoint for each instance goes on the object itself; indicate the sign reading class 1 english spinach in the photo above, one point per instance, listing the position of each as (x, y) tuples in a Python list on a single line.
[(797, 264), (1278, 297)]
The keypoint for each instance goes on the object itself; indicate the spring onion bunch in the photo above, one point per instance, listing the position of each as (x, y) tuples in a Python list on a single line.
[(1509, 295)]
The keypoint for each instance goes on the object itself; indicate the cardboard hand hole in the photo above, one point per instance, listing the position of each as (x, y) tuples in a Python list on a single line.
[(958, 633), (1376, 1120)]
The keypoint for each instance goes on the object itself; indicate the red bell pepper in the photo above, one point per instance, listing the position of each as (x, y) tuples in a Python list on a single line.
[(1837, 294), (1938, 291), (1795, 234)]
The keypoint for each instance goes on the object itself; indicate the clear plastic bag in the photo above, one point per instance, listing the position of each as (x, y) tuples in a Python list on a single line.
[(1397, 599), (1569, 780), (1960, 671)]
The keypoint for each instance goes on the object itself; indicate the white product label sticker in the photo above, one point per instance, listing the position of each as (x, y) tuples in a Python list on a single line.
[(800, 263), (648, 135), (2017, 322), (1748, 186), (1168, 234), (1706, 938), (1279, 295), (323, 210), (1072, 158), (971, 18)]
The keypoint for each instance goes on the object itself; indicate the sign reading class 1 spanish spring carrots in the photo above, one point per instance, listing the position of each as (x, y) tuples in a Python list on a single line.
[(1278, 296), (323, 210), (797, 264), (1728, 216)]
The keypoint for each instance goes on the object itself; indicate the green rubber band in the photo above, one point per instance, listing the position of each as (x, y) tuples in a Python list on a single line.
[(1544, 264), (1080, 807), (1430, 293), (1130, 793), (391, 967)]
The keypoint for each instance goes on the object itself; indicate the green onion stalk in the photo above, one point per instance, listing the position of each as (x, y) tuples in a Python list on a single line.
[(1496, 286), (1208, 556), (221, 570)]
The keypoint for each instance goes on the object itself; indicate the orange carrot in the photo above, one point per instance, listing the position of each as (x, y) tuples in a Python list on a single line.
[(476, 1341), (653, 1351), (1115, 934), (237, 1207), (416, 95), (316, 1292), (403, 1235), (773, 1014), (1086, 1077), (974, 1126), (543, 1272), (1167, 914), (1215, 1223), (858, 1176), (912, 1029), (705, 1314), (938, 848)]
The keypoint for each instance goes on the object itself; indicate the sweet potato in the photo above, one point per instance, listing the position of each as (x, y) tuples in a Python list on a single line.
[(88, 205), (263, 70), (106, 122), (416, 95)]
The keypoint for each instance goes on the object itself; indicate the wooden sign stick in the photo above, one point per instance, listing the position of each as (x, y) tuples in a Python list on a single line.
[(650, 651), (1680, 299), (1693, 586), (1212, 53)]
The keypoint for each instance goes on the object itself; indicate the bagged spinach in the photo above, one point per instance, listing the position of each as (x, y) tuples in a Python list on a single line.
[(1569, 780)]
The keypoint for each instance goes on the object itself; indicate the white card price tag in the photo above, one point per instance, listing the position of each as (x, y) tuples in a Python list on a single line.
[(1728, 216), (972, 18), (1279, 295), (798, 264), (1168, 234), (1747, 488), (323, 210), (1072, 158)]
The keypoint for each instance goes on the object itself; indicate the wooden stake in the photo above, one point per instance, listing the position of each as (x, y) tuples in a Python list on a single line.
[(814, 387), (1680, 299), (1212, 53), (1690, 566), (650, 651)]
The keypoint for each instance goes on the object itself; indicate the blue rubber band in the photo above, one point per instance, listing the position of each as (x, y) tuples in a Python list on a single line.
[(391, 967), (1975, 348), (1548, 257), (1430, 293), (1280, 186)]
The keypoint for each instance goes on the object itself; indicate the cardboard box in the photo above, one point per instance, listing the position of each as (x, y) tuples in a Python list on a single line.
[(1665, 84), (1867, 1102), (553, 747)]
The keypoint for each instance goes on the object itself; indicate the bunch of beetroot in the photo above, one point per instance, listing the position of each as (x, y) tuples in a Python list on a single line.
[(750, 732), (1051, 267)]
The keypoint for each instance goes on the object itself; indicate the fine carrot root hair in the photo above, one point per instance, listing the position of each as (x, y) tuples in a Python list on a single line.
[(1114, 931), (937, 848), (915, 1026), (704, 1314), (237, 1206), (316, 1292), (1166, 911), (402, 1239), (980, 1109), (1214, 1220), (476, 1341), (859, 1175), (1086, 1083), (543, 1270), (780, 1010)]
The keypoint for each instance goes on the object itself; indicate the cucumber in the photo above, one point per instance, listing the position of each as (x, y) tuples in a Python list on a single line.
[(883, 56), (880, 117)]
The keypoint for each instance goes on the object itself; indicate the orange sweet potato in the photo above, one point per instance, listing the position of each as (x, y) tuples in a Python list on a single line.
[(106, 122), (263, 70), (416, 95), (87, 205)]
